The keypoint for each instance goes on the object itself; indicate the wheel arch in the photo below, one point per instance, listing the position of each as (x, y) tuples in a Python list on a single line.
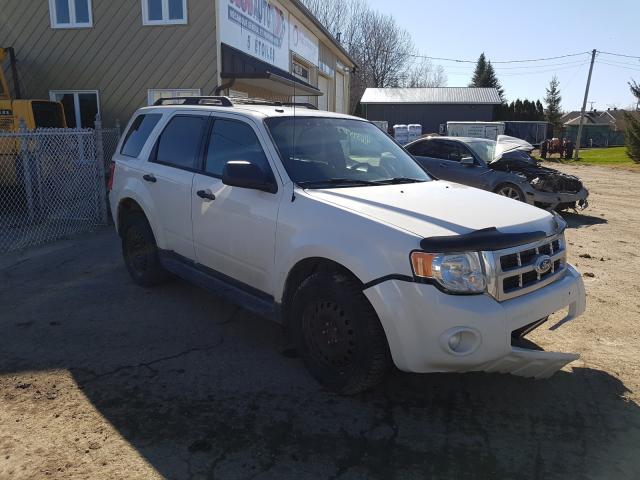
[(129, 205), (303, 269)]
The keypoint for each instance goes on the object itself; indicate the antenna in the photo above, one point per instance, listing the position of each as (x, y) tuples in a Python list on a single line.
[(592, 102)]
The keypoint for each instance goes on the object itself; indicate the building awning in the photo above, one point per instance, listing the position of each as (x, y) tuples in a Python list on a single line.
[(238, 66)]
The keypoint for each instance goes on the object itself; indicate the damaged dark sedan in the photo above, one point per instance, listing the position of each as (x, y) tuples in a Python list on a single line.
[(504, 167)]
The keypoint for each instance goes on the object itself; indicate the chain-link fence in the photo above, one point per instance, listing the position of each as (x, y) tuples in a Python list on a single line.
[(52, 184)]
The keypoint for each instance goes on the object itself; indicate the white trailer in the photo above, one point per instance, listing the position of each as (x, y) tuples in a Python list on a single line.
[(489, 130)]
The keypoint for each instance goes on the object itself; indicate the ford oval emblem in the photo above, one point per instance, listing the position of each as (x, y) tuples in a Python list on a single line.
[(542, 264)]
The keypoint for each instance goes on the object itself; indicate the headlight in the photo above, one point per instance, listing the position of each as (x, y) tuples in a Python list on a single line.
[(456, 272)]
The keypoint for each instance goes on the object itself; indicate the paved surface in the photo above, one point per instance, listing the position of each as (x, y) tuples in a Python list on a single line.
[(100, 378)]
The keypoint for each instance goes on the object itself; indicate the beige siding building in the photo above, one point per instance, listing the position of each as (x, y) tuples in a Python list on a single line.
[(111, 57)]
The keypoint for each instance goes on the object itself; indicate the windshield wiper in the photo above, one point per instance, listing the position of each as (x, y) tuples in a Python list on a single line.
[(398, 180), (343, 182)]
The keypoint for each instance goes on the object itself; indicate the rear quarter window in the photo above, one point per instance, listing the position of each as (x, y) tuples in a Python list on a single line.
[(138, 134)]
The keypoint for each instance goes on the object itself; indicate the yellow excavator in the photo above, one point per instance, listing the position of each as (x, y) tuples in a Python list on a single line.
[(35, 113)]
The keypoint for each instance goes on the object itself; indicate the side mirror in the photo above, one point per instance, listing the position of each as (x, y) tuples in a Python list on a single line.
[(243, 174), (468, 161)]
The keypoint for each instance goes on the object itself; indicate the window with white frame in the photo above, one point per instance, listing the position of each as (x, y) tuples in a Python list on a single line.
[(155, 94), (164, 12), (80, 106), (70, 13)]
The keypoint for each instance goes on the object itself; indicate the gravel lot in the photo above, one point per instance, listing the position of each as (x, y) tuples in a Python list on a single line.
[(103, 379)]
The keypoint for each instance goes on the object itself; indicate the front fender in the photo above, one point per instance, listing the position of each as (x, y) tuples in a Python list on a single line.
[(367, 248)]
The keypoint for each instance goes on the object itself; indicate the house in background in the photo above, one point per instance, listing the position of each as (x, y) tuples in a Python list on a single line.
[(112, 57), (599, 128), (430, 107)]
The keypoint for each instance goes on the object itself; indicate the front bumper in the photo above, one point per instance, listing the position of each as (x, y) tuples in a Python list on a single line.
[(551, 200), (419, 320)]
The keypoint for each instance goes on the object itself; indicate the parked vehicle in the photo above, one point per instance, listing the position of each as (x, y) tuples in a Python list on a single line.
[(533, 132), (504, 167), (33, 112), (489, 130), (322, 222)]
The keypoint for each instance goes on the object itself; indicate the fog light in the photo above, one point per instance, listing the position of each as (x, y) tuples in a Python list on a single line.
[(454, 341), (460, 340)]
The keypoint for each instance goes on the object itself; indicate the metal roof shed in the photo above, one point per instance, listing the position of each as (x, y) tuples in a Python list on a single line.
[(430, 107)]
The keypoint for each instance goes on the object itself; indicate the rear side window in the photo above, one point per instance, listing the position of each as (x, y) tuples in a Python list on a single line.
[(138, 134), (231, 140), (179, 142)]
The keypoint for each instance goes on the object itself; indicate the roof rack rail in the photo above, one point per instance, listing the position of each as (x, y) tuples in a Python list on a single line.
[(229, 102), (310, 106), (214, 100)]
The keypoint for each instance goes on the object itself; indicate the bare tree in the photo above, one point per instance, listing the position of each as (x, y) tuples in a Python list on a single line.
[(383, 51), (425, 74)]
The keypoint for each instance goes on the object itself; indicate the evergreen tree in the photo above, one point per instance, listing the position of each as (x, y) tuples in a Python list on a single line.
[(553, 98), (480, 71), (539, 110), (484, 76), (633, 127)]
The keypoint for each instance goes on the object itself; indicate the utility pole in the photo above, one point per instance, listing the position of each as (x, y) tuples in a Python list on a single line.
[(584, 106)]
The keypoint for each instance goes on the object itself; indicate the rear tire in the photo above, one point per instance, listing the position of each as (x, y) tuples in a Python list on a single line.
[(510, 190), (338, 334), (140, 252)]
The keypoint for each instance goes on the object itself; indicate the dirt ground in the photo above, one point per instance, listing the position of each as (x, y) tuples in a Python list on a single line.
[(102, 379)]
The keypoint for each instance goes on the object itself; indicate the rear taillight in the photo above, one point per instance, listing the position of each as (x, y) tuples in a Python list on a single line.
[(112, 172)]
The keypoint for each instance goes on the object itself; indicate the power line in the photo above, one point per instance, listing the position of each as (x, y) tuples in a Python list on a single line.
[(618, 54), (469, 68), (637, 69), (502, 61)]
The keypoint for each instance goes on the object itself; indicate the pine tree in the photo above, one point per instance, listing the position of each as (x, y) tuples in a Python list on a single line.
[(480, 72), (633, 127), (552, 100), (484, 76)]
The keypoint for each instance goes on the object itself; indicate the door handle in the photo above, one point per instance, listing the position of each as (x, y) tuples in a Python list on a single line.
[(149, 178), (206, 194), (443, 165)]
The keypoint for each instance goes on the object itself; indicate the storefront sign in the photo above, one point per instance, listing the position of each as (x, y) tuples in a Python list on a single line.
[(303, 42), (259, 28)]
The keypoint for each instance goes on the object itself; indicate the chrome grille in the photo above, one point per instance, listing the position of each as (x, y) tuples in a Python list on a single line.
[(512, 271)]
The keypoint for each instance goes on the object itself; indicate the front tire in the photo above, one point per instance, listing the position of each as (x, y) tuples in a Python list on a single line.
[(140, 252), (338, 334), (510, 190)]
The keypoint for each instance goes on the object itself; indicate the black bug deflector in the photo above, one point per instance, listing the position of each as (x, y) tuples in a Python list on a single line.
[(486, 239)]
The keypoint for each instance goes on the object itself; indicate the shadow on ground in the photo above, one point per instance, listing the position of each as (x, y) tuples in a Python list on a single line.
[(580, 220), (198, 386)]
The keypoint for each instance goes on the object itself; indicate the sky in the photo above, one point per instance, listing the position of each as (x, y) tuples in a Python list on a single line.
[(514, 30)]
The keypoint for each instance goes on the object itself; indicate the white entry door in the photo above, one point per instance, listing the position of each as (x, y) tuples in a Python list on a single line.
[(323, 86), (340, 93)]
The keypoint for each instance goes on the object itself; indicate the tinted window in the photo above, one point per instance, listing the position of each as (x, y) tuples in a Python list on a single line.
[(138, 134), (232, 140), (424, 149), (180, 141)]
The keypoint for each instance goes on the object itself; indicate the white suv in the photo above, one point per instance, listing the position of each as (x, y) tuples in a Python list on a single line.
[(322, 222)]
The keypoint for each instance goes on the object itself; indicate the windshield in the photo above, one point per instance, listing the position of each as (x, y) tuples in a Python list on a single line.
[(328, 152), (484, 149)]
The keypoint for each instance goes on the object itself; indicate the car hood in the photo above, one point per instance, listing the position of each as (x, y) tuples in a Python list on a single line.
[(505, 144), (438, 208)]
